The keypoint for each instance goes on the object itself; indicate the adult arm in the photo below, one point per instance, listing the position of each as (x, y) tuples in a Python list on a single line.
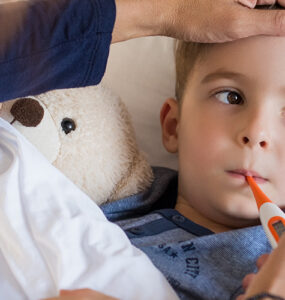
[(57, 44), (204, 21)]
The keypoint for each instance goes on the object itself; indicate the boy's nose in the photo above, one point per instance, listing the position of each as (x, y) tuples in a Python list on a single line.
[(251, 142), (255, 133)]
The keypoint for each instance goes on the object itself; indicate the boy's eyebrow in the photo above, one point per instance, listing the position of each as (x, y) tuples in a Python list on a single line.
[(222, 73)]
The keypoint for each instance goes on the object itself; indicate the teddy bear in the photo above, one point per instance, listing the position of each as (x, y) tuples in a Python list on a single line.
[(87, 134)]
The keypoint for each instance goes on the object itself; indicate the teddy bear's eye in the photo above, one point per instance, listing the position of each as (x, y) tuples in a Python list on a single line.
[(68, 125)]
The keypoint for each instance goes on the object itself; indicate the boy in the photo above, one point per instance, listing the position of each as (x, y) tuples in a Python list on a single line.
[(199, 228)]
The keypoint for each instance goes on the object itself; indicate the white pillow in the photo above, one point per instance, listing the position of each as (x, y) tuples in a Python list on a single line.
[(141, 71)]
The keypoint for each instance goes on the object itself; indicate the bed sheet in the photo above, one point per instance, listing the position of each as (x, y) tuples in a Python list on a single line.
[(53, 236)]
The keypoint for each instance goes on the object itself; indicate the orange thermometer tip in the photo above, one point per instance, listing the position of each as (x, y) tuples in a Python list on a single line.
[(259, 196)]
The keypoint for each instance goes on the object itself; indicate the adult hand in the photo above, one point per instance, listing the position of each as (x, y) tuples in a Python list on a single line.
[(82, 294), (204, 21), (271, 275)]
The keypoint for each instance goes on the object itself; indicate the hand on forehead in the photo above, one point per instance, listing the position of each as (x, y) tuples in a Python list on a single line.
[(267, 2), (253, 3)]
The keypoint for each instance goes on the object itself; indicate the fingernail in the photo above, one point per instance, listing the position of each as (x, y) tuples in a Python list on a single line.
[(248, 3)]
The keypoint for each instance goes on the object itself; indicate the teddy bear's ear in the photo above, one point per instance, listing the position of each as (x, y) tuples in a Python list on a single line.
[(27, 111), (32, 119)]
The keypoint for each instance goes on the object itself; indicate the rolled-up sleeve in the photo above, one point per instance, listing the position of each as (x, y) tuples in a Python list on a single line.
[(53, 44)]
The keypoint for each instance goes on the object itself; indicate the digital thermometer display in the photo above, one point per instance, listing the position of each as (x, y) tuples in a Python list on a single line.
[(279, 227), (276, 225)]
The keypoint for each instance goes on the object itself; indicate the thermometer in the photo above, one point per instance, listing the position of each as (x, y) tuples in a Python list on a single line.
[(271, 216)]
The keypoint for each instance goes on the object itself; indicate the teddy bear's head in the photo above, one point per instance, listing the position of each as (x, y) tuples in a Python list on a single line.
[(87, 134)]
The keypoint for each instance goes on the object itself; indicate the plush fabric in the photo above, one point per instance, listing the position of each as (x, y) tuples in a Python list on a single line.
[(99, 151)]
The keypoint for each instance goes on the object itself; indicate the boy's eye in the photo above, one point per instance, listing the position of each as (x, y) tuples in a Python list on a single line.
[(229, 97)]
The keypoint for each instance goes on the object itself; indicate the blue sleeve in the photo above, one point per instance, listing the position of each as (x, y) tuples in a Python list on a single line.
[(53, 44)]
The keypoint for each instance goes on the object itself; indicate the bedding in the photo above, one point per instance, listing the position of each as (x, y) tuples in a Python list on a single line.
[(142, 72), (53, 236)]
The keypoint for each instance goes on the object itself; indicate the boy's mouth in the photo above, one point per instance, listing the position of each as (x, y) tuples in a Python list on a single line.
[(242, 173)]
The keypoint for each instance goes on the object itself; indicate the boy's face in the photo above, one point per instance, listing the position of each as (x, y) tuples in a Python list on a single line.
[(232, 121)]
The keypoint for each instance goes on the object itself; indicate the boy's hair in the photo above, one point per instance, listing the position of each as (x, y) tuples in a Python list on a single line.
[(188, 53)]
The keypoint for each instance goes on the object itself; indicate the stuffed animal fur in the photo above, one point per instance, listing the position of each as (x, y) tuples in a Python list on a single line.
[(87, 134)]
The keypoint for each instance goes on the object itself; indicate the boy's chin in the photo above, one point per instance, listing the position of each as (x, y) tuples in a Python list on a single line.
[(243, 221), (237, 216)]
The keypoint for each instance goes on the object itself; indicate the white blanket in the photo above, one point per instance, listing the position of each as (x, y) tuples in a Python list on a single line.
[(53, 236)]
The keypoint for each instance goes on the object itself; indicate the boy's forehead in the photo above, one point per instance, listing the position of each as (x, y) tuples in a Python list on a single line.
[(258, 58), (244, 53)]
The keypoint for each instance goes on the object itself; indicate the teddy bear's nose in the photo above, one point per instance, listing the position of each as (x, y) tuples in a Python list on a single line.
[(27, 111)]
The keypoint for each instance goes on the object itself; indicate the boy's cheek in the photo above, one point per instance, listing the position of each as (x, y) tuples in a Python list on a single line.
[(202, 145), (277, 194)]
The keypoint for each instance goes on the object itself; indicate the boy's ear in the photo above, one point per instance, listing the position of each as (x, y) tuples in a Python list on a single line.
[(169, 116)]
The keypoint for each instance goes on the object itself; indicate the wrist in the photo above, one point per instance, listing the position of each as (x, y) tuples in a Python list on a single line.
[(138, 18)]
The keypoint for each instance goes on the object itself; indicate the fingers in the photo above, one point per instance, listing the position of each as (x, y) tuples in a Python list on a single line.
[(261, 260), (243, 22), (265, 2), (269, 2), (245, 284), (79, 292), (262, 22), (270, 277), (253, 3), (248, 280), (83, 294)]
